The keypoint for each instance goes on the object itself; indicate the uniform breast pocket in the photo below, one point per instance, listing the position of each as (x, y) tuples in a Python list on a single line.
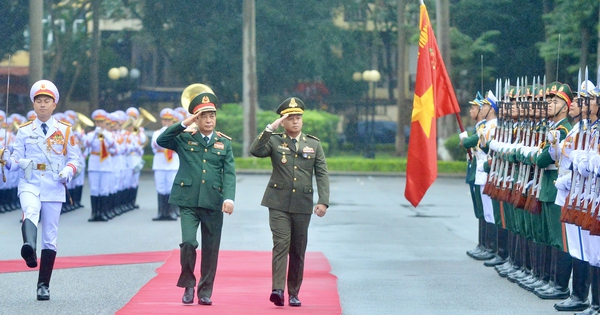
[(284, 155), (219, 153), (307, 160)]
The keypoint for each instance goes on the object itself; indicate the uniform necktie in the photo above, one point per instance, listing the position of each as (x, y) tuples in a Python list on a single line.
[(44, 128), (206, 139), (295, 143)]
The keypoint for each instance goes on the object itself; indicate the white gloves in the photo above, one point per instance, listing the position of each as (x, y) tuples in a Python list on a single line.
[(139, 166), (65, 175), (553, 136), (563, 182), (6, 158), (27, 166), (463, 135)]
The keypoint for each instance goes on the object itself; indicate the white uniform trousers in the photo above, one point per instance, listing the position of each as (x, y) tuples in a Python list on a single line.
[(48, 212), (488, 208), (100, 183), (164, 181), (126, 178), (594, 250), (577, 241)]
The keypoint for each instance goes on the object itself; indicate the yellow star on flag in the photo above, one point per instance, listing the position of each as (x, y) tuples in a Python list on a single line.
[(423, 110)]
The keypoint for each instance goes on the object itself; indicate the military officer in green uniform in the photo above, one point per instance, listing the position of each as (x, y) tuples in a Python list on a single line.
[(559, 101), (204, 189), (295, 157)]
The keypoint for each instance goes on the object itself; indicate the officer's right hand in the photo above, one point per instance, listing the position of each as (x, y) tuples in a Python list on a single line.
[(5, 158), (278, 121), (188, 121)]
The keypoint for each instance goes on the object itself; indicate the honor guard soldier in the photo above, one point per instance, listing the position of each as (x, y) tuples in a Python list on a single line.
[(44, 150), (559, 101), (98, 143), (165, 165), (138, 140), (295, 157), (204, 189), (480, 252), (31, 115)]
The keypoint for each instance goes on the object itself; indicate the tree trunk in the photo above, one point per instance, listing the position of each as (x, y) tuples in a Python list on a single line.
[(36, 41), (249, 99), (403, 111), (95, 57), (446, 126)]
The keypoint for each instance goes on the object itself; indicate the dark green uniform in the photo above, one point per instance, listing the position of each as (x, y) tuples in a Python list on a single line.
[(205, 178), (289, 197)]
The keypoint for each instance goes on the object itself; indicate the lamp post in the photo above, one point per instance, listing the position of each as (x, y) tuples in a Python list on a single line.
[(116, 74), (370, 76)]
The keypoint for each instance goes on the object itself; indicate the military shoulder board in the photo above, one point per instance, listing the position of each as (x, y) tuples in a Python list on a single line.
[(311, 136), (220, 134), (64, 123), (25, 124)]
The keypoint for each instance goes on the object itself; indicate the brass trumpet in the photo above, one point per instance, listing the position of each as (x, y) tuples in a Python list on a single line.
[(82, 120), (192, 91), (144, 119)]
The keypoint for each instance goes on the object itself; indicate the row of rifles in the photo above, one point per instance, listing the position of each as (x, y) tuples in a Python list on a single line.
[(523, 121)]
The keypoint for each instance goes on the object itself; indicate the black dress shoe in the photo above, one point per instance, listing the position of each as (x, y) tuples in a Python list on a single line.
[(572, 304), (188, 296), (592, 310), (204, 301), (497, 260), (553, 293), (43, 293), (294, 301), (28, 254), (277, 297)]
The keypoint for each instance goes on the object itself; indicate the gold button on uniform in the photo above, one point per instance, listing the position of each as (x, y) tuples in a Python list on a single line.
[(295, 155), (181, 184), (192, 149), (293, 190), (295, 167), (295, 179), (203, 171), (203, 181), (275, 185), (203, 161), (205, 150)]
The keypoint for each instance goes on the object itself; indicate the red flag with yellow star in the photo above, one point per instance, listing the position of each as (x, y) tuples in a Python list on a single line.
[(434, 97)]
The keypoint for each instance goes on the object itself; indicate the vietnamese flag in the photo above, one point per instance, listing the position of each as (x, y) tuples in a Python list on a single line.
[(434, 97)]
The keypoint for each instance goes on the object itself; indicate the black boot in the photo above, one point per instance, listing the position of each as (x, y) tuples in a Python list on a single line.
[(578, 301), (46, 266), (29, 231), (134, 193), (595, 306), (170, 210), (562, 274), (160, 214), (498, 259)]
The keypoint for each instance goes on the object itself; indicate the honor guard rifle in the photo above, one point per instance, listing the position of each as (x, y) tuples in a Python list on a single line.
[(532, 204), (498, 135)]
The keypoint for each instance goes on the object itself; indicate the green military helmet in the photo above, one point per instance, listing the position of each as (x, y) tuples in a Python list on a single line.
[(528, 91), (512, 92), (552, 88)]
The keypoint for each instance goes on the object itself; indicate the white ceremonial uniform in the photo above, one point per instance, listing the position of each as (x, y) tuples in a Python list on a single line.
[(164, 169), (42, 194), (99, 167), (487, 133)]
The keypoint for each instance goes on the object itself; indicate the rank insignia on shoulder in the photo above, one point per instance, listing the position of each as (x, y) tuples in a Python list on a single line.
[(311, 136), (220, 134), (25, 124)]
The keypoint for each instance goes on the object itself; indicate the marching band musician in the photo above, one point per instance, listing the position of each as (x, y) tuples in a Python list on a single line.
[(98, 143), (44, 149), (165, 165)]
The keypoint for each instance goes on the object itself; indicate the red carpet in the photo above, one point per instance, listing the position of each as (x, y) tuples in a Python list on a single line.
[(89, 261), (242, 286)]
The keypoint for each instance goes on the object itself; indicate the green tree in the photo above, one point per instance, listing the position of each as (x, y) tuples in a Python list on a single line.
[(13, 23)]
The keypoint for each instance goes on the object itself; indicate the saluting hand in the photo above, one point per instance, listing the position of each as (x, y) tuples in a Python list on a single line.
[(278, 121), (190, 120), (320, 209)]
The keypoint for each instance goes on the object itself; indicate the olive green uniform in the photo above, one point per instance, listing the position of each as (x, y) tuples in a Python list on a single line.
[(205, 178), (289, 197)]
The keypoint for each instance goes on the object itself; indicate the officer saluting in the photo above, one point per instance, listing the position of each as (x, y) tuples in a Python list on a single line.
[(295, 157), (44, 149)]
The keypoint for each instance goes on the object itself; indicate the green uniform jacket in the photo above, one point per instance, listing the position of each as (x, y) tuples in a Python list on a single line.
[(469, 143), (206, 174), (290, 186), (543, 160)]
